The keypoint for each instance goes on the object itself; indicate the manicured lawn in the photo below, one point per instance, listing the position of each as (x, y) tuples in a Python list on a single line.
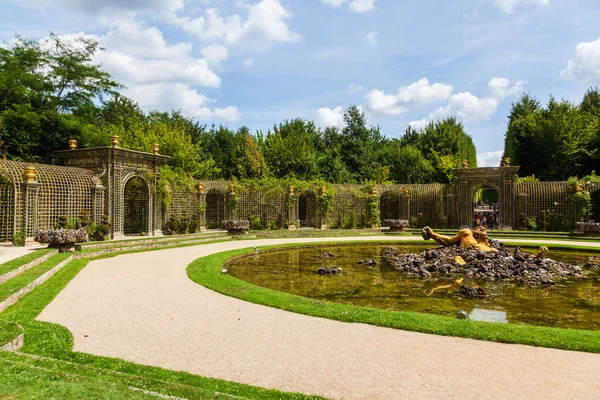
[(15, 284), (18, 262)]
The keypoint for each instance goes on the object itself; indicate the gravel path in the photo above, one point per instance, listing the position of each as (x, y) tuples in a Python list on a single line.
[(143, 308)]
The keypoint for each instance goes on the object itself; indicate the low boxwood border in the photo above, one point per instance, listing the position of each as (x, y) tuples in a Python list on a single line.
[(206, 271)]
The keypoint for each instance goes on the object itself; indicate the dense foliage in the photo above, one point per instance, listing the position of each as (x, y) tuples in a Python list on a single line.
[(555, 142), (51, 91)]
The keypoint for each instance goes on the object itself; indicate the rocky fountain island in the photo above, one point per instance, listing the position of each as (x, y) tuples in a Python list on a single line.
[(468, 271), (473, 255)]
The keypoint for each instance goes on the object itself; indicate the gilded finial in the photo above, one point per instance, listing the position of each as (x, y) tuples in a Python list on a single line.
[(30, 173), (115, 141), (465, 164), (72, 144), (323, 190), (506, 161), (231, 188), (155, 148), (374, 191), (200, 187), (292, 190)]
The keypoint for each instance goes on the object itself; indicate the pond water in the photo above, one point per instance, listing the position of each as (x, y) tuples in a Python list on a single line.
[(568, 304)]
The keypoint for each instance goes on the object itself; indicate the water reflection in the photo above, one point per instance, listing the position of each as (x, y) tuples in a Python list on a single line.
[(481, 314), (569, 304)]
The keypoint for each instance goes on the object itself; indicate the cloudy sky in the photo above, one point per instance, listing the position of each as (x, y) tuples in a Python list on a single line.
[(258, 62)]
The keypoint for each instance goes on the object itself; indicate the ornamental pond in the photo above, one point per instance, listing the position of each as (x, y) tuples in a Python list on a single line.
[(573, 303)]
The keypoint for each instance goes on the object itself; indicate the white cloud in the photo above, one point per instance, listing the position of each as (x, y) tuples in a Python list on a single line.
[(489, 159), (133, 38), (499, 88), (215, 54), (264, 26), (358, 6), (372, 38), (508, 6), (354, 87), (157, 7), (471, 109), (248, 62), (415, 94), (419, 124), (334, 3), (158, 75), (178, 96), (132, 71), (327, 117), (585, 64)]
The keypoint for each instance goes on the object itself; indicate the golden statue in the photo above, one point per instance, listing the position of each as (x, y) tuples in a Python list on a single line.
[(465, 164), (476, 239), (406, 191), (506, 161)]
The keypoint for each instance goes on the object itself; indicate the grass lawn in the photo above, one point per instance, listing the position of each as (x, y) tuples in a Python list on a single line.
[(18, 262)]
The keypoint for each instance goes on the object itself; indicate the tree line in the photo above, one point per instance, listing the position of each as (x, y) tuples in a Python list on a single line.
[(556, 141)]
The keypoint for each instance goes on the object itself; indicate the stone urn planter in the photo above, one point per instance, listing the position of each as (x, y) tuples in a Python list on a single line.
[(62, 239), (235, 227), (396, 225)]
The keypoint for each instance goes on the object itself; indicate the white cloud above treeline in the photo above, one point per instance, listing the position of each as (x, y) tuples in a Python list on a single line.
[(585, 64), (471, 109), (489, 159), (327, 117), (161, 76), (415, 94)]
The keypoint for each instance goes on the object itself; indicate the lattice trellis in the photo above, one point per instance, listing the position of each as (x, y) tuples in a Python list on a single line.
[(55, 191)]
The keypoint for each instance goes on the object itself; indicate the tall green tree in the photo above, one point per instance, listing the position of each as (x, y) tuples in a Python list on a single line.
[(48, 92), (250, 162), (557, 141), (290, 149)]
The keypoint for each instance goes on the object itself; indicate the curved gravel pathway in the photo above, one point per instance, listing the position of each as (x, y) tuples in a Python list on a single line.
[(143, 308)]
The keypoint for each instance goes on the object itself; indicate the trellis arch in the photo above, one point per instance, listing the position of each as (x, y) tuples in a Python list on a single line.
[(307, 209), (469, 180), (137, 205), (215, 208), (389, 205), (7, 208)]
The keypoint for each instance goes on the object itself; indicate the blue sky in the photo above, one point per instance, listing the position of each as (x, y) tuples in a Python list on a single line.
[(259, 62)]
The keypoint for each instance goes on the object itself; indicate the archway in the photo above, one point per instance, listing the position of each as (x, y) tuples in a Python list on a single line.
[(389, 206), (215, 209), (7, 209), (307, 209), (596, 205), (136, 201), (486, 208)]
